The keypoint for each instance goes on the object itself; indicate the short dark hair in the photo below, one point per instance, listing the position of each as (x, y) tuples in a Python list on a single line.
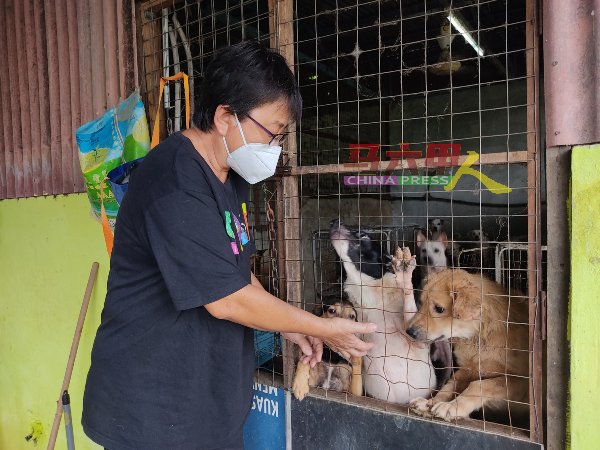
[(246, 76)]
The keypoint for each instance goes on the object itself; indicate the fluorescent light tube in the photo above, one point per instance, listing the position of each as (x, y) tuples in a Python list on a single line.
[(461, 29)]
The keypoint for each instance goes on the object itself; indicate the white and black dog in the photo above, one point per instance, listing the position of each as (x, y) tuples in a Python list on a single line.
[(396, 369)]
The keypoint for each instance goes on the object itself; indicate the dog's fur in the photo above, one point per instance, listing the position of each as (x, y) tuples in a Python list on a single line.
[(432, 253), (435, 228), (473, 311), (333, 372), (433, 259), (396, 370), (478, 236)]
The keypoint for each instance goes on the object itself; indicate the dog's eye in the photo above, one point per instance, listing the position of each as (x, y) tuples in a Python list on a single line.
[(437, 250), (332, 311), (439, 309), (351, 316)]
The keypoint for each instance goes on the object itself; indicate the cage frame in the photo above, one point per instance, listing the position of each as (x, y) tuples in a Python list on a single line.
[(530, 156), (286, 180)]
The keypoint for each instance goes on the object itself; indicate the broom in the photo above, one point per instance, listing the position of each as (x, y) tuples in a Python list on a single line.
[(71, 362)]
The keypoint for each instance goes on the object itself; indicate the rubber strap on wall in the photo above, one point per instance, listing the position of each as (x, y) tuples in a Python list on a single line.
[(186, 85), (108, 236)]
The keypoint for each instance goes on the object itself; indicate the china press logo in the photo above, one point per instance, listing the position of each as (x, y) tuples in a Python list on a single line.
[(439, 156)]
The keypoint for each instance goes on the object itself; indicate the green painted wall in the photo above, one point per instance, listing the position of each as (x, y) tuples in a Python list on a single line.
[(585, 298), (47, 247)]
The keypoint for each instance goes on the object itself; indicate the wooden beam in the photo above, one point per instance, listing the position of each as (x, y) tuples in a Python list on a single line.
[(533, 223), (485, 159), (284, 14), (157, 6)]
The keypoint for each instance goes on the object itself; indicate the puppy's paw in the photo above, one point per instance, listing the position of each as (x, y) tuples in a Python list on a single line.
[(403, 261), (300, 387), (421, 406), (448, 410), (404, 264)]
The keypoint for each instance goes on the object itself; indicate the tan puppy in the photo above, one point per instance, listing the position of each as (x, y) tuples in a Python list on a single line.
[(333, 372), (490, 335)]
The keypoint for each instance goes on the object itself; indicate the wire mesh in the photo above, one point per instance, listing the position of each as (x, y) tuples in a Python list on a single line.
[(183, 36), (389, 85)]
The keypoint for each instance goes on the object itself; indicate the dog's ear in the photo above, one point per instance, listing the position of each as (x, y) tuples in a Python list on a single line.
[(442, 221), (466, 298), (420, 239), (430, 221), (443, 239), (467, 305)]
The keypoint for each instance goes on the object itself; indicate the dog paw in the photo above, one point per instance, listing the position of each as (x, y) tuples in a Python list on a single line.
[(403, 261), (421, 406), (404, 264), (448, 410), (300, 388)]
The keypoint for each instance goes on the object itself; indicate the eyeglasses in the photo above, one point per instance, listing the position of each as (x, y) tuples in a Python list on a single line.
[(279, 137)]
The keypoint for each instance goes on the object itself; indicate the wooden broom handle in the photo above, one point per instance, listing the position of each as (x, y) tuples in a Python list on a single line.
[(71, 362), (356, 384)]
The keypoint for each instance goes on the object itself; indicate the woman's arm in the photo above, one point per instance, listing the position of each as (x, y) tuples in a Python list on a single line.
[(312, 348), (252, 306), (255, 281)]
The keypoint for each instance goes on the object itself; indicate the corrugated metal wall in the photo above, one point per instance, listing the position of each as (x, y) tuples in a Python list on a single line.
[(64, 62)]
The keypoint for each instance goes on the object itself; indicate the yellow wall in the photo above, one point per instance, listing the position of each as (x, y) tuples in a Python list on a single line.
[(47, 247), (585, 298)]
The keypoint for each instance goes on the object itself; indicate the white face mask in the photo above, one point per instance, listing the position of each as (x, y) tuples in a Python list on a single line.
[(254, 162)]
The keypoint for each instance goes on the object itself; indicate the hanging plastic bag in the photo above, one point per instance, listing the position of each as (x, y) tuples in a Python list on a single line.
[(119, 136), (128, 168)]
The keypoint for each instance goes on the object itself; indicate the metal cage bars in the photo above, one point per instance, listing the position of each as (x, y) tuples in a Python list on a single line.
[(530, 156)]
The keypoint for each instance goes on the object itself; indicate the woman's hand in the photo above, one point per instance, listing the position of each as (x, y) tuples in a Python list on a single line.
[(340, 337), (312, 347), (256, 308)]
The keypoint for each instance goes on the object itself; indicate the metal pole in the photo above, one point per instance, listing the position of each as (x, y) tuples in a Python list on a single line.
[(66, 401)]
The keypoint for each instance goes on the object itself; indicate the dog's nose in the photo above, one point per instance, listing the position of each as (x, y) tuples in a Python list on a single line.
[(412, 332)]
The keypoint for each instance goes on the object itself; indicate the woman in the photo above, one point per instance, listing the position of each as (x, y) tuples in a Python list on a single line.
[(173, 360)]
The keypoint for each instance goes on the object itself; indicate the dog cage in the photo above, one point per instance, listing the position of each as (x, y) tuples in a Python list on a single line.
[(385, 84), (391, 89)]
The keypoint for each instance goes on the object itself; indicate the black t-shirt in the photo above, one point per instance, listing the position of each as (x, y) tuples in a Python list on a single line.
[(166, 374)]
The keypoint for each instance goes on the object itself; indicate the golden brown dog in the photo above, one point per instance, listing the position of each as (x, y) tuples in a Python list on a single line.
[(333, 372), (490, 334)]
